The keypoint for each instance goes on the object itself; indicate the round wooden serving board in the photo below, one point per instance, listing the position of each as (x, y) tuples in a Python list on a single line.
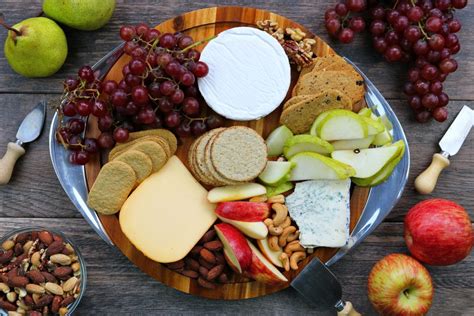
[(202, 24)]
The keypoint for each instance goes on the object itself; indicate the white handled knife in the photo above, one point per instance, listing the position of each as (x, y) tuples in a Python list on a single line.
[(450, 145)]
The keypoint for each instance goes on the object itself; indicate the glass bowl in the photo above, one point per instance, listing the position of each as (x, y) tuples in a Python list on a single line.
[(83, 277)]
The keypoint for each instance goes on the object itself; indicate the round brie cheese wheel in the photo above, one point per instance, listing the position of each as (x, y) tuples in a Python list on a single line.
[(249, 74)]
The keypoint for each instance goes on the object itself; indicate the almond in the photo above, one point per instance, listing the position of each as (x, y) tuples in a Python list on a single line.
[(22, 238), (7, 305), (192, 264), (206, 284), (45, 237), (49, 277), (44, 300), (203, 271), (35, 276), (223, 278), (56, 247), (54, 288), (210, 235), (67, 300), (205, 264), (214, 245), (34, 289), (6, 256), (215, 272), (176, 265), (207, 255), (62, 273), (18, 281), (56, 304), (190, 273)]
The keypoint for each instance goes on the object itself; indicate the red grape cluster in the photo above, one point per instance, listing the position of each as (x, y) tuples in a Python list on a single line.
[(158, 89), (421, 32)]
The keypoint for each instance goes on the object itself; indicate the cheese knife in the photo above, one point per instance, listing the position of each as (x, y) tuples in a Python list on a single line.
[(450, 145), (29, 130), (319, 286)]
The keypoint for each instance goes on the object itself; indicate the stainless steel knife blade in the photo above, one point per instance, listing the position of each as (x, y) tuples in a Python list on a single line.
[(32, 124), (319, 286), (457, 132)]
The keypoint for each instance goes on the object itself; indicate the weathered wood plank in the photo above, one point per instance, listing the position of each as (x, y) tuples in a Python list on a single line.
[(116, 286), (88, 47)]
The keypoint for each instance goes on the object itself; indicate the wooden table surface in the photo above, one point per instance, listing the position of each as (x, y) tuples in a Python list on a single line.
[(115, 286)]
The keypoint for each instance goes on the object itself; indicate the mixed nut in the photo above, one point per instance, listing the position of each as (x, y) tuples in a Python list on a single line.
[(297, 46), (283, 235), (205, 262), (40, 274)]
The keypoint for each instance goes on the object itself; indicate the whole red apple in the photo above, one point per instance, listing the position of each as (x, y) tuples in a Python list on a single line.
[(400, 285), (438, 232)]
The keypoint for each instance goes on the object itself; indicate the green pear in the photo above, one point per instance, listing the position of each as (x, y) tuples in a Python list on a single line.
[(374, 127), (382, 138), (367, 162), (277, 139), (313, 166), (317, 121), (386, 171), (306, 143), (36, 47), (360, 143), (342, 124), (366, 112), (86, 15), (279, 189), (276, 172)]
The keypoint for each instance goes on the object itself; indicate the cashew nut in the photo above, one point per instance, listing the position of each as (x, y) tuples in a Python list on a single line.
[(282, 240), (294, 236), (280, 198), (285, 260), (286, 223), (275, 230), (293, 246), (259, 199), (273, 243), (295, 258), (281, 212), (268, 222)]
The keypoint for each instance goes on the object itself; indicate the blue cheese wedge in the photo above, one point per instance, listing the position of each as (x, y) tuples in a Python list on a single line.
[(321, 210), (249, 74)]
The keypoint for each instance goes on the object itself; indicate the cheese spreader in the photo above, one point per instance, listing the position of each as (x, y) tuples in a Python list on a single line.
[(450, 145), (29, 130), (320, 287)]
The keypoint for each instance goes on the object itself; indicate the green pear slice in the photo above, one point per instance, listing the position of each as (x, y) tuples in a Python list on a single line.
[(276, 140), (366, 162), (386, 171), (313, 166), (382, 138), (279, 189), (374, 127), (367, 112), (306, 143), (386, 122), (276, 172), (317, 121), (342, 124), (360, 143)]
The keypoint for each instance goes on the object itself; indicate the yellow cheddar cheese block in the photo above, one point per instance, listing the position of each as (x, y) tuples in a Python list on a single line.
[(167, 213)]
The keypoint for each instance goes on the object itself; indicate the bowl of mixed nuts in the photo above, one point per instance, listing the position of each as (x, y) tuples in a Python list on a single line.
[(41, 273)]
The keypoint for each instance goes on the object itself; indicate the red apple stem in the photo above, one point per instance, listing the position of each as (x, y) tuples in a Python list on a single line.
[(8, 27)]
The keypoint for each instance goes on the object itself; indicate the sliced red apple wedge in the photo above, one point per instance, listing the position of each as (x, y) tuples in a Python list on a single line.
[(236, 249), (263, 270), (272, 255), (243, 211)]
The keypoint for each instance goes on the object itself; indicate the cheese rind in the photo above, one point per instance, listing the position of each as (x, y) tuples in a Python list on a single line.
[(167, 214), (249, 74), (321, 209)]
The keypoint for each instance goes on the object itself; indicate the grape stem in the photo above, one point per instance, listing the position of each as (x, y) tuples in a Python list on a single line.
[(8, 27), (395, 5), (413, 2), (198, 43), (423, 30)]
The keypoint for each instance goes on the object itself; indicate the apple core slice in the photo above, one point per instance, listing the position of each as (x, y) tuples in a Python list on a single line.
[(276, 140), (313, 166)]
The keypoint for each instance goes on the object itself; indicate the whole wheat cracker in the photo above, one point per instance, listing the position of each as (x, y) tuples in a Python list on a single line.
[(238, 153), (155, 151), (120, 148), (111, 188), (200, 159), (166, 134), (139, 161)]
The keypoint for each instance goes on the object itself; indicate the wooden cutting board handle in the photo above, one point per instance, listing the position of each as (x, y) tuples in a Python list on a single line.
[(348, 310), (426, 181), (7, 163)]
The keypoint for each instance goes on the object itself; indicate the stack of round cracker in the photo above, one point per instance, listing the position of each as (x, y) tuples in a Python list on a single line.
[(330, 83), (228, 156)]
